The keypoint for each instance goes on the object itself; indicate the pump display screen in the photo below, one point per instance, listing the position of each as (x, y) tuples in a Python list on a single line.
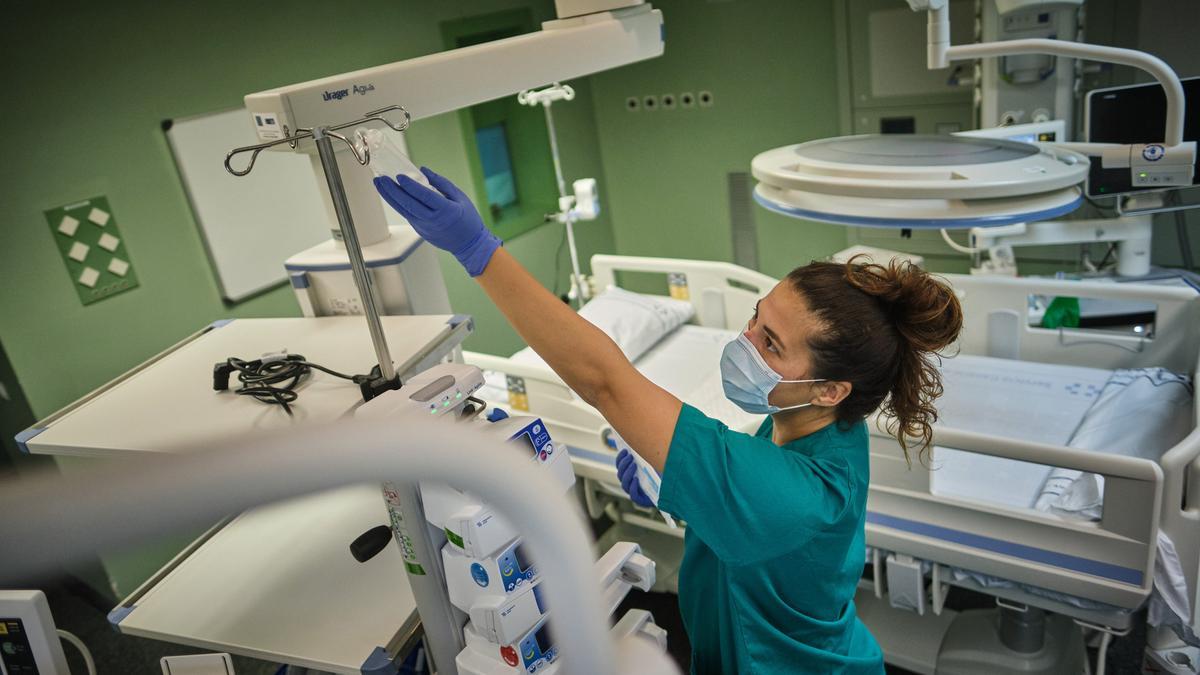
[(544, 638), (1134, 115), (522, 558)]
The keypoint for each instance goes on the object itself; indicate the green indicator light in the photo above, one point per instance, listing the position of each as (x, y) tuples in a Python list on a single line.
[(446, 404), (1142, 174), (459, 395), (433, 411)]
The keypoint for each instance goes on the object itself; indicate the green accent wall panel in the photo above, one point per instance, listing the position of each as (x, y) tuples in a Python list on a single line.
[(92, 249)]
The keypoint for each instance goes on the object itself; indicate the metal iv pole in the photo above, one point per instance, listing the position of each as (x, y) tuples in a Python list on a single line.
[(566, 215), (441, 622)]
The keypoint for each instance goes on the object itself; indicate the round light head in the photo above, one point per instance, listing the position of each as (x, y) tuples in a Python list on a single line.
[(919, 181)]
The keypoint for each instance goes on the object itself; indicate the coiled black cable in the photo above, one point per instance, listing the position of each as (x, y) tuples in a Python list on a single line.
[(273, 379)]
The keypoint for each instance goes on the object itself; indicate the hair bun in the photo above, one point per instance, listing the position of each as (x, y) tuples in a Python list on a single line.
[(923, 307)]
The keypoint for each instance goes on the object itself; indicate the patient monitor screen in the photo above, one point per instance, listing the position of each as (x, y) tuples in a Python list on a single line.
[(1134, 114)]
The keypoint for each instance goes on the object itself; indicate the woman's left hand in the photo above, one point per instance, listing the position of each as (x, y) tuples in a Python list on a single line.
[(627, 469)]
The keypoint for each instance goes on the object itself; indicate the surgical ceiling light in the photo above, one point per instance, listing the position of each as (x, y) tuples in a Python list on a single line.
[(916, 182), (919, 181)]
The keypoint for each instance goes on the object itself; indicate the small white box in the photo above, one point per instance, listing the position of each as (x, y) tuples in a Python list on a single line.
[(118, 267), (98, 217), (89, 277), (108, 242), (68, 226), (78, 252)]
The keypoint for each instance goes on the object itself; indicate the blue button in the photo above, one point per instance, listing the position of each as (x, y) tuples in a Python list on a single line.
[(479, 574)]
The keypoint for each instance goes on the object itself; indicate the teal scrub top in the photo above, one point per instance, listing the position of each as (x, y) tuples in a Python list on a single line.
[(774, 547)]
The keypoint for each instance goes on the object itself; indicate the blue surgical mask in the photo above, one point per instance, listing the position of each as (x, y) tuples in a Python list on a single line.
[(749, 381)]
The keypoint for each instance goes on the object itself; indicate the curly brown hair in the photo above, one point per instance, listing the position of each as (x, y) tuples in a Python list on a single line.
[(884, 328)]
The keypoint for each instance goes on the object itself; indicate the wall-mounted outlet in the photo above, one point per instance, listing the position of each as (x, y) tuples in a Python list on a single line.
[(633, 104), (650, 102), (706, 99), (687, 99), (668, 101)]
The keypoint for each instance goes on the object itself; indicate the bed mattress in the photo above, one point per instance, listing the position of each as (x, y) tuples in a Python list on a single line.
[(1022, 400)]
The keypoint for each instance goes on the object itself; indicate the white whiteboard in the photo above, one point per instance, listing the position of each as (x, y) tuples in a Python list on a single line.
[(250, 225)]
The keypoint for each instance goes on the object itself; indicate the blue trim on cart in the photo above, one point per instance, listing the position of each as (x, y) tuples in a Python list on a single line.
[(915, 223), (592, 455), (342, 267), (299, 280), (23, 437), (1096, 568), (220, 323), (379, 663), (118, 615)]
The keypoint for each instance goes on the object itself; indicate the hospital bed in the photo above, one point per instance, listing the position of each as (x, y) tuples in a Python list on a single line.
[(684, 361), (972, 520)]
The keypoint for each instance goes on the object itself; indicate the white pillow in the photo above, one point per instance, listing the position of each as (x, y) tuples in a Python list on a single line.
[(1140, 413), (636, 322)]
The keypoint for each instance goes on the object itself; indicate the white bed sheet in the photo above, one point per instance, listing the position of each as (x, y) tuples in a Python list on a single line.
[(1022, 400)]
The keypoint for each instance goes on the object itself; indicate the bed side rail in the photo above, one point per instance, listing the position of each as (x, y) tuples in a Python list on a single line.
[(537, 390), (1181, 497), (996, 311), (722, 293), (1111, 561)]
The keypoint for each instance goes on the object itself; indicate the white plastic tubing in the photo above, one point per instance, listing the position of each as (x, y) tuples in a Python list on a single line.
[(941, 54), (51, 520)]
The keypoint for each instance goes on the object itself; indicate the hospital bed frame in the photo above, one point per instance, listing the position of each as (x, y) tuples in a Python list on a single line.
[(1110, 561), (723, 296)]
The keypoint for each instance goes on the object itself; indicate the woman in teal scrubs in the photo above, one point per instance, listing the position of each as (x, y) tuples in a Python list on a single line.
[(775, 542)]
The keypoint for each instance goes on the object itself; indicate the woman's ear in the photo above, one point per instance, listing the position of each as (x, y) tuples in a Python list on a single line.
[(829, 394)]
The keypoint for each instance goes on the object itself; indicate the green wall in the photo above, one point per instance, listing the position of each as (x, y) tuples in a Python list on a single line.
[(88, 85), (770, 66), (442, 137)]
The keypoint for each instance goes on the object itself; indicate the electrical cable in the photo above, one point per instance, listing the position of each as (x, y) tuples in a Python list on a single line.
[(1111, 210), (969, 250), (273, 378), (83, 650), (1112, 248)]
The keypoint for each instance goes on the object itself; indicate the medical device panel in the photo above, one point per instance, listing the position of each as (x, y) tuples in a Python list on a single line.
[(29, 642), (1134, 114)]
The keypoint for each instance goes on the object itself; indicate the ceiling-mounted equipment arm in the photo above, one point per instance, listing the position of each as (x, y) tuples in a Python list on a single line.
[(941, 53), (436, 83)]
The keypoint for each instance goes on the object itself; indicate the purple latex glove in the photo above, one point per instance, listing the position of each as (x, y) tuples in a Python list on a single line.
[(444, 217), (627, 470)]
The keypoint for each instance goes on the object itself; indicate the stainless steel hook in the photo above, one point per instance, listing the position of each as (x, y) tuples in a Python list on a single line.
[(362, 153), (255, 149), (377, 115)]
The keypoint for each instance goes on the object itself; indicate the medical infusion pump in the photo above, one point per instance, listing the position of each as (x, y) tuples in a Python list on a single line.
[(489, 574)]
